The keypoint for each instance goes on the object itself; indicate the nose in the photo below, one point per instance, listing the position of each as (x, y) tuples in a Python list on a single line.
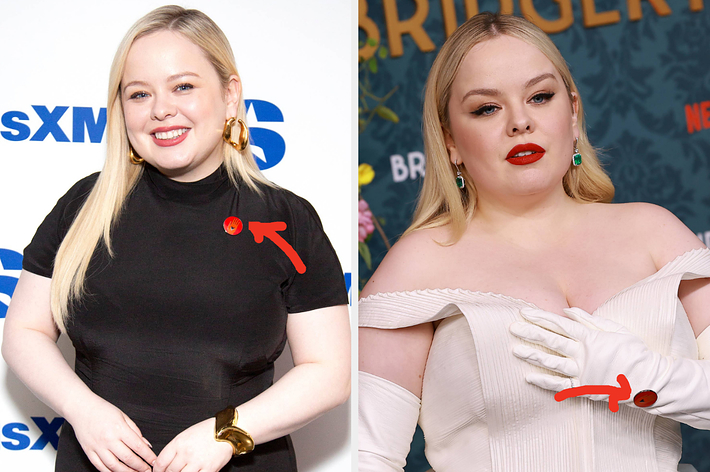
[(519, 121), (163, 107)]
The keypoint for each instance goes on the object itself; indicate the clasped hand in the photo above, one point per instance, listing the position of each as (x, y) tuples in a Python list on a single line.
[(113, 443), (591, 351), (194, 450)]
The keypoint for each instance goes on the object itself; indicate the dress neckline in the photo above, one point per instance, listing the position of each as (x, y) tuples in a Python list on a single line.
[(420, 292), (200, 191)]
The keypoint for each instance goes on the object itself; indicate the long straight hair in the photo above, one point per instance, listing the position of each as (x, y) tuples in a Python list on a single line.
[(118, 177), (441, 202)]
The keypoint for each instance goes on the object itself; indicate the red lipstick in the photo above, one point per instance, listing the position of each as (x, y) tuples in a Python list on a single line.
[(536, 154)]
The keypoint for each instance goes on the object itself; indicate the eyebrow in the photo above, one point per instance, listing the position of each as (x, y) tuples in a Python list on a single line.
[(540, 78), (172, 78), (495, 92)]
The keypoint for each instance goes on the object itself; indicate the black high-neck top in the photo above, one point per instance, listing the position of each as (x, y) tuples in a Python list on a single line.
[(186, 318)]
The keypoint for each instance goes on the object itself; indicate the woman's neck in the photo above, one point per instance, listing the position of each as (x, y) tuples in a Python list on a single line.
[(526, 219)]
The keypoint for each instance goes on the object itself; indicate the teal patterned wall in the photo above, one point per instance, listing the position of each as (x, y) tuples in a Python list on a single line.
[(643, 70)]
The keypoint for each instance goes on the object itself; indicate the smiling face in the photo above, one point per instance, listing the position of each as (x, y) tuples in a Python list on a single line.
[(512, 123), (175, 106)]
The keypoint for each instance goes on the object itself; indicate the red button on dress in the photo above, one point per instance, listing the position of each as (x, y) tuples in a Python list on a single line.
[(233, 225), (645, 398)]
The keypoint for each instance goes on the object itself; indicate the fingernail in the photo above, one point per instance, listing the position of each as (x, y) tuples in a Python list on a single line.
[(148, 443)]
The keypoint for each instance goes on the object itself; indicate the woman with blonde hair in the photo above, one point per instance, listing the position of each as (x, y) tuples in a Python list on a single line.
[(481, 312), (176, 312)]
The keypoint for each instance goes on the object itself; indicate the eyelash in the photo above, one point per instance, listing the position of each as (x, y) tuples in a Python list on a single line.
[(546, 96), (179, 88), (138, 95), (481, 111)]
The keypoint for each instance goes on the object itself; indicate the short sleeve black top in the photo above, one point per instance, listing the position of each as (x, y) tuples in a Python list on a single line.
[(186, 318)]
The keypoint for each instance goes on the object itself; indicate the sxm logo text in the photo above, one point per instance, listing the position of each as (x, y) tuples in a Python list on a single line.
[(10, 267), (270, 145), (17, 436)]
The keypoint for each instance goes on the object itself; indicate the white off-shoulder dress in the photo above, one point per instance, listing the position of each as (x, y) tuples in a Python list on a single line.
[(479, 414)]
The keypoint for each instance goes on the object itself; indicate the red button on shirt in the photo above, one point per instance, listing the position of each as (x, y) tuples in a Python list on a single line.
[(645, 398), (233, 225)]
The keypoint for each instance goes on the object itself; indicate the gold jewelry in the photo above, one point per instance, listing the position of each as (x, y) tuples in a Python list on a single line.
[(137, 160), (243, 134), (226, 430)]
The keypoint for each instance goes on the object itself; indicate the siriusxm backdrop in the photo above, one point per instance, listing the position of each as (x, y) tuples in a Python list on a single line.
[(296, 66), (643, 70)]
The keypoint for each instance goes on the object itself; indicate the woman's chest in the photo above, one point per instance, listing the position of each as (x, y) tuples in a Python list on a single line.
[(551, 279), (177, 276)]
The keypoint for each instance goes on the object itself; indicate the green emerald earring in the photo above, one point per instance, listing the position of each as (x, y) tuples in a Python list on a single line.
[(576, 157), (460, 182)]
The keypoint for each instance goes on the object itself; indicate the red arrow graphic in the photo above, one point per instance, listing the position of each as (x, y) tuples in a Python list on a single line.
[(616, 394), (261, 230)]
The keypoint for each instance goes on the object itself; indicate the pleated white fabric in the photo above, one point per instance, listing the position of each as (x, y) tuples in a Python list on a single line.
[(479, 414)]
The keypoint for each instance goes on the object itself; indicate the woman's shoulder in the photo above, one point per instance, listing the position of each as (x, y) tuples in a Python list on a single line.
[(408, 263), (39, 254), (651, 226), (631, 209), (282, 202), (285, 197), (83, 186), (70, 203)]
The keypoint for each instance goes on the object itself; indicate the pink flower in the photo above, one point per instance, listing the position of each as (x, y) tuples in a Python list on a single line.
[(365, 226)]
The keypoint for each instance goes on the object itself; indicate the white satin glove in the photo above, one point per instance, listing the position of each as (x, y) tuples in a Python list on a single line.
[(595, 350), (387, 418)]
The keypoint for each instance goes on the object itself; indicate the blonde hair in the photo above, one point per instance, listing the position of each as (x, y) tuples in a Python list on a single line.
[(441, 202), (118, 177)]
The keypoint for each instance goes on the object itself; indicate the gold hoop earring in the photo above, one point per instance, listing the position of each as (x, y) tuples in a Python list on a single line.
[(243, 134), (136, 160)]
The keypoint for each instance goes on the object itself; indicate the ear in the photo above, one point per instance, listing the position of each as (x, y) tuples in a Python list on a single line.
[(575, 111), (451, 147), (232, 96)]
